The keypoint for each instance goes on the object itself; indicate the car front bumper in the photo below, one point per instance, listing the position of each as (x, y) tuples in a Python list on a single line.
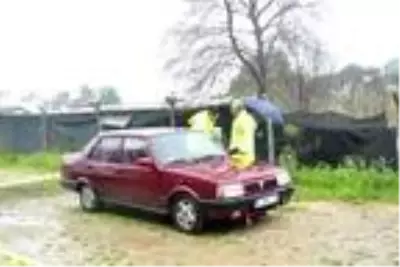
[(235, 207)]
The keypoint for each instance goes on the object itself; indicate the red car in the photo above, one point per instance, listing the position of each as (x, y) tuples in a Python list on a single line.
[(176, 172)]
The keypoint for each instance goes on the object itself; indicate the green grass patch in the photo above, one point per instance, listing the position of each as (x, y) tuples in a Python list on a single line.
[(37, 162), (347, 184), (31, 190), (11, 259)]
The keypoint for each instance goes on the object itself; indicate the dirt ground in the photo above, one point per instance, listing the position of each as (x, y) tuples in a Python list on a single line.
[(53, 230)]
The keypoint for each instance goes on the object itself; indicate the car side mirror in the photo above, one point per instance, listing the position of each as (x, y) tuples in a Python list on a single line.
[(145, 161)]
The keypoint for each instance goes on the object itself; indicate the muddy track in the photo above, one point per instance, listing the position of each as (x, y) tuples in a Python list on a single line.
[(53, 230)]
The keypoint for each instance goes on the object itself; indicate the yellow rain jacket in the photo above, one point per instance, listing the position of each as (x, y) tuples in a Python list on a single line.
[(202, 121), (243, 138)]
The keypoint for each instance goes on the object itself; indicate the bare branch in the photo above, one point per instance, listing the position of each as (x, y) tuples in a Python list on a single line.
[(260, 44), (264, 8), (210, 76), (194, 35), (218, 34), (235, 45), (244, 3), (281, 12)]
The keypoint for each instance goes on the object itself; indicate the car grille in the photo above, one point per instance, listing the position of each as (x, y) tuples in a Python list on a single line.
[(257, 187)]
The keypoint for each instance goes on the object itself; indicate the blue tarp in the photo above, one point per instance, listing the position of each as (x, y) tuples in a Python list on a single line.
[(264, 108)]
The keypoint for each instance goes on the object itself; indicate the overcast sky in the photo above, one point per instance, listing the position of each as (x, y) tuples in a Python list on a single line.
[(48, 45)]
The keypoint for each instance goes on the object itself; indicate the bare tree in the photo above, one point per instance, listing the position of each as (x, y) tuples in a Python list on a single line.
[(308, 65), (220, 36)]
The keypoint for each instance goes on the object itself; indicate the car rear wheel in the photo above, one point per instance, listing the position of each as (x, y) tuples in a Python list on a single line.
[(88, 198), (186, 215)]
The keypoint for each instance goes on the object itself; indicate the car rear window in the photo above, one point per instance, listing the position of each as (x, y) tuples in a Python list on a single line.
[(108, 149), (134, 148)]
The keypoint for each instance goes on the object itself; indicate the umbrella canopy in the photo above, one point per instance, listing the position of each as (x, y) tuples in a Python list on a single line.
[(264, 108)]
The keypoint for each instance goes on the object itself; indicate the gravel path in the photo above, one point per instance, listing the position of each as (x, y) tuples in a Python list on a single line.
[(53, 230)]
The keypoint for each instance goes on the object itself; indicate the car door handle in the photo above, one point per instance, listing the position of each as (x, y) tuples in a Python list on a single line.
[(89, 167)]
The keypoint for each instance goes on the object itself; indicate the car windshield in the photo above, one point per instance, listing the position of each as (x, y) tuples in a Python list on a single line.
[(186, 147)]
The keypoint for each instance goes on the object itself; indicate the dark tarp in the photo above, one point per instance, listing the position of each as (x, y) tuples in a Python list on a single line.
[(331, 137), (331, 120)]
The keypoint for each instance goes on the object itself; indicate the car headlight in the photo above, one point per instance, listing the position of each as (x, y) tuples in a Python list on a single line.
[(283, 178), (230, 190)]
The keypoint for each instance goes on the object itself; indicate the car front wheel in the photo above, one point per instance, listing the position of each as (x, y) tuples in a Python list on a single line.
[(88, 198), (187, 215)]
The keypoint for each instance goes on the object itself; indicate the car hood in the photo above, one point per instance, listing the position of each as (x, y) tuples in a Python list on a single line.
[(223, 172)]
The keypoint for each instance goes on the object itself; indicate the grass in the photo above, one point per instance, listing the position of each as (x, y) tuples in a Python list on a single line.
[(34, 189), (347, 184), (28, 175), (37, 162), (11, 259), (27, 169)]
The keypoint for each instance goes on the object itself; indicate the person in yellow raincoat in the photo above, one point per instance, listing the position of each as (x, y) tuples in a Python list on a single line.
[(204, 120), (242, 139)]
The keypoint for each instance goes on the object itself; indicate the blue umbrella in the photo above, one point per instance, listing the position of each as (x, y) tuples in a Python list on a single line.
[(264, 108)]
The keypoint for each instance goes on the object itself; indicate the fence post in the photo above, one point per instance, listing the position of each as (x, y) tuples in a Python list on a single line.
[(398, 146), (271, 142), (44, 128), (96, 106), (97, 112), (171, 101)]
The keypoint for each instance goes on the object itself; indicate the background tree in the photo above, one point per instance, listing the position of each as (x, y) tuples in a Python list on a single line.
[(391, 70), (29, 97), (108, 95), (219, 37), (60, 100), (290, 84), (86, 96)]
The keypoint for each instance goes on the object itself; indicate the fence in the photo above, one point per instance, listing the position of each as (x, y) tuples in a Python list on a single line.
[(36, 133), (32, 133), (324, 137)]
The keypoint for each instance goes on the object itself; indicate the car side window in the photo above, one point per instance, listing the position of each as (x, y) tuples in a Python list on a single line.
[(108, 149), (134, 148)]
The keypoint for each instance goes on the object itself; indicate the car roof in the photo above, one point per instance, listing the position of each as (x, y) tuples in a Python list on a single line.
[(143, 132)]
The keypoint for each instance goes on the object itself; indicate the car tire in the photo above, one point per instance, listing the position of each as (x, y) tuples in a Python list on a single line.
[(88, 199), (187, 215)]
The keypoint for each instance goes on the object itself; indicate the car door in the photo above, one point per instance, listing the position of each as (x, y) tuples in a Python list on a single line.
[(143, 184), (103, 166)]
